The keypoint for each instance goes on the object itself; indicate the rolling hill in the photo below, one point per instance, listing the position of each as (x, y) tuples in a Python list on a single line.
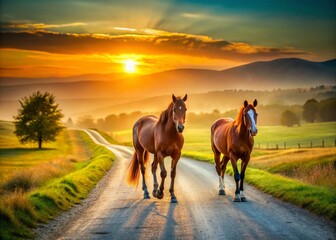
[(280, 73), (100, 95)]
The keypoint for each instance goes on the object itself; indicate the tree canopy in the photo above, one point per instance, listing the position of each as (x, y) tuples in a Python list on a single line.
[(38, 119), (310, 109), (289, 118)]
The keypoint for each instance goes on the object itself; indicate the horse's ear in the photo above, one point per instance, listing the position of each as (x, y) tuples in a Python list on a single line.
[(185, 98), (245, 103), (255, 102), (174, 98)]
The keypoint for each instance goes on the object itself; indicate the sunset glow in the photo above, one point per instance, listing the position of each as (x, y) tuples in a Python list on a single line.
[(130, 66), (166, 35)]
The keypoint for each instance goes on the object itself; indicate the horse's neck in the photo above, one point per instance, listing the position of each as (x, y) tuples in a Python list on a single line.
[(170, 126), (242, 128)]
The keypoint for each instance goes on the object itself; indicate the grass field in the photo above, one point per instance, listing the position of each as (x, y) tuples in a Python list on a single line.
[(305, 134), (305, 176), (36, 185)]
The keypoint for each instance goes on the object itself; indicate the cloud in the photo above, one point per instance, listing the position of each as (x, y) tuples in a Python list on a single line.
[(145, 41), (40, 25), (125, 29)]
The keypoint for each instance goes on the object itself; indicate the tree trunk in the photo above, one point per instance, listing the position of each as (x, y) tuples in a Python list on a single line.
[(40, 143)]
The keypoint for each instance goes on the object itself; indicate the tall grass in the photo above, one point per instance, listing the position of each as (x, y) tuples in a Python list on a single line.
[(319, 175), (33, 177), (38, 190)]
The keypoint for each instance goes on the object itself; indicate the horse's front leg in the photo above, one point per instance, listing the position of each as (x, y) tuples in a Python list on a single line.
[(244, 163), (154, 167), (163, 174), (236, 176), (175, 159)]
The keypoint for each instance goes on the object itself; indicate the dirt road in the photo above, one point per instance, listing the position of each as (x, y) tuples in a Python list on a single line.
[(119, 212)]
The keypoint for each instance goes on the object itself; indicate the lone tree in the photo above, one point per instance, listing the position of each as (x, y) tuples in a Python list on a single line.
[(39, 119), (310, 109)]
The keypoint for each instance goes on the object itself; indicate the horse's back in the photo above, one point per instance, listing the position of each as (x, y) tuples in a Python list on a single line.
[(219, 131), (220, 124), (143, 133)]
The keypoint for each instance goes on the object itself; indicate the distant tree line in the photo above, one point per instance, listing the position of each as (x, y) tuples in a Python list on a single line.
[(313, 111)]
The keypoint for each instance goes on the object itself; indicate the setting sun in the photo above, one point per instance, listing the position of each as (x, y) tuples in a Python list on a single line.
[(130, 66)]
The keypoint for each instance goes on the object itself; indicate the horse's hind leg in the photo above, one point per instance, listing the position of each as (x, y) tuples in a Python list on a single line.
[(141, 156), (218, 169), (223, 169)]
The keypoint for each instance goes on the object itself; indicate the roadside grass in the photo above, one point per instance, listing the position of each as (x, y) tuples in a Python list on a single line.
[(42, 164), (37, 188)]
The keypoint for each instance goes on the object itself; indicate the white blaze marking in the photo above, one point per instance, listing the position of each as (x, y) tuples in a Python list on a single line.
[(251, 114)]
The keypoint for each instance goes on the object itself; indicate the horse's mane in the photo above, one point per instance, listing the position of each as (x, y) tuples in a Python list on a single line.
[(239, 118), (165, 114)]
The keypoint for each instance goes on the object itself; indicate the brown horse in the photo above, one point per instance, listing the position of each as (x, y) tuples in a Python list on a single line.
[(234, 139), (161, 137)]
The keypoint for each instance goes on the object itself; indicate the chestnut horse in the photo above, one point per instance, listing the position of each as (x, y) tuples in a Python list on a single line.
[(234, 139), (161, 137)]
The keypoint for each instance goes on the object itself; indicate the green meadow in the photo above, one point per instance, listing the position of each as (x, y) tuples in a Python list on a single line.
[(37, 184), (304, 176)]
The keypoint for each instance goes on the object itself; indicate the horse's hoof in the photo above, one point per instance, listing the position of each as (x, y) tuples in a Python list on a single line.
[(237, 198), (243, 199), (159, 195), (146, 196), (173, 200), (221, 192), (154, 193)]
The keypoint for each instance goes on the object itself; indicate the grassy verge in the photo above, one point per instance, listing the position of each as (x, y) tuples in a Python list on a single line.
[(21, 209)]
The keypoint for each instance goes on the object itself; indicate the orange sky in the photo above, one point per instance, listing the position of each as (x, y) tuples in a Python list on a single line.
[(41, 53), (37, 40)]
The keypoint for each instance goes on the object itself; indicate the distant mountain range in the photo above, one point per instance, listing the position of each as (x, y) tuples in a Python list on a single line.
[(103, 94), (280, 73)]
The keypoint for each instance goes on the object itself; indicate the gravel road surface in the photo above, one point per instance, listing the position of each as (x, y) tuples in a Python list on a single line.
[(116, 211)]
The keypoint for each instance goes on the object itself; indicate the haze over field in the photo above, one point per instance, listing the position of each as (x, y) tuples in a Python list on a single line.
[(132, 55)]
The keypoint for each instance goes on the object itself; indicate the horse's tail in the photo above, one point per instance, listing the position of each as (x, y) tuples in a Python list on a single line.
[(133, 169)]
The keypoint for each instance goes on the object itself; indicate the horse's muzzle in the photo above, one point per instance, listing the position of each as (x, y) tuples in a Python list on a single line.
[(253, 133), (180, 128)]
